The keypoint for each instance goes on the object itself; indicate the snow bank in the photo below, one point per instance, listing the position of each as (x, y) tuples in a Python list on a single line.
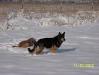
[(82, 17), (21, 20)]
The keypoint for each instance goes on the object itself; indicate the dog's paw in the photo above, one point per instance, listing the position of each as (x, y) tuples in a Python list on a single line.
[(51, 53), (35, 55)]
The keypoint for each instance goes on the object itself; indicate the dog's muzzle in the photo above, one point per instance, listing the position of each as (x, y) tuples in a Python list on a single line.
[(63, 39)]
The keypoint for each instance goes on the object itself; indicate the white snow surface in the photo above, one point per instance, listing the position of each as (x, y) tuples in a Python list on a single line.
[(81, 47)]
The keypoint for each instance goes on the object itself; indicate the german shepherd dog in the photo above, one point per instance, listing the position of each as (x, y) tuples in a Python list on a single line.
[(50, 43), (26, 43)]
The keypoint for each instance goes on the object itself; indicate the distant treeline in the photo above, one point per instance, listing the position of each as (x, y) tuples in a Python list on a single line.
[(51, 1)]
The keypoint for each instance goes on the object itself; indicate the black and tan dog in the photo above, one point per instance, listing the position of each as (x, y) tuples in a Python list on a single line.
[(51, 43)]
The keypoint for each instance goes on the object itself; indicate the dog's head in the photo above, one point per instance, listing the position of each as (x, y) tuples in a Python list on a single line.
[(61, 36)]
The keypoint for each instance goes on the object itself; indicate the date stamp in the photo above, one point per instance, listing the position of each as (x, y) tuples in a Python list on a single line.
[(84, 65)]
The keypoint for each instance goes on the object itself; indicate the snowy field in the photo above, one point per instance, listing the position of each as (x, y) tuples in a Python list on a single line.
[(81, 47)]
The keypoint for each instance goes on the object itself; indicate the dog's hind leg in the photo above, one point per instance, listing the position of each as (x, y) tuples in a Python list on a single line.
[(39, 50)]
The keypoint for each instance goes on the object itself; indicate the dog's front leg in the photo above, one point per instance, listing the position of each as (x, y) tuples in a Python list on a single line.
[(53, 49)]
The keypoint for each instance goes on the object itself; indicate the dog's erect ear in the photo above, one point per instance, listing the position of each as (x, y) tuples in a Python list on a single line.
[(63, 33), (59, 33)]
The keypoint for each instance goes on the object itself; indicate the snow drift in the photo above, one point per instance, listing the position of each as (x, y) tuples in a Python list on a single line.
[(21, 20)]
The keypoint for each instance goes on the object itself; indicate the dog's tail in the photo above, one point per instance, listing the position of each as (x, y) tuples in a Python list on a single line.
[(31, 51)]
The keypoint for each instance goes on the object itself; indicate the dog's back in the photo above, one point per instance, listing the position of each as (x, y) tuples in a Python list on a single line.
[(46, 42)]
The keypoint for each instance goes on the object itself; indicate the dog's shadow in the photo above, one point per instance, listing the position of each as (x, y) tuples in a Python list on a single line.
[(65, 50), (62, 50)]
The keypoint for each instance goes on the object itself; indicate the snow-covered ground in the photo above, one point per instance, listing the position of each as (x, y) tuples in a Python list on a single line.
[(81, 47)]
